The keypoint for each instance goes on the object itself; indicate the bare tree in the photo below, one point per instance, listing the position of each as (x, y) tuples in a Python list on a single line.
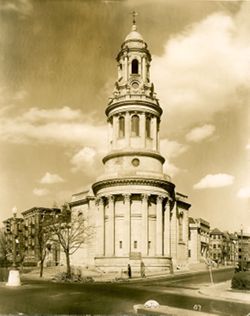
[(44, 237), (71, 232), (3, 248)]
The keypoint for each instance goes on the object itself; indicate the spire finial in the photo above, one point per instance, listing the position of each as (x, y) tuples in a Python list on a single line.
[(134, 14)]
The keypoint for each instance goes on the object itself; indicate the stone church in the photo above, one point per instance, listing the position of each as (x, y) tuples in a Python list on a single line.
[(138, 216)]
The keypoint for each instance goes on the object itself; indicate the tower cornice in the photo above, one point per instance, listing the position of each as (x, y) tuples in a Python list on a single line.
[(134, 153), (166, 185), (133, 103)]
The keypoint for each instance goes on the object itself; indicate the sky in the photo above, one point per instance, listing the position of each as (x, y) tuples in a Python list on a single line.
[(58, 69)]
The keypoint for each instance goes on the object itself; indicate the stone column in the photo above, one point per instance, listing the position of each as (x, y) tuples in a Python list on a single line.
[(126, 68), (154, 132), (144, 224), (185, 231), (127, 128), (144, 69), (101, 227), (110, 133), (111, 233), (127, 226), (159, 225), (174, 236), (115, 131), (143, 129), (167, 235)]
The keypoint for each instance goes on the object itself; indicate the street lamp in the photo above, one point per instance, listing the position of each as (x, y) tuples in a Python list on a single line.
[(14, 276)]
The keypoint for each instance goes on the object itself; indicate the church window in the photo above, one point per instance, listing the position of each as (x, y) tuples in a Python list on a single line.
[(135, 244), (149, 244), (120, 244), (135, 125), (135, 66), (148, 127), (121, 127)]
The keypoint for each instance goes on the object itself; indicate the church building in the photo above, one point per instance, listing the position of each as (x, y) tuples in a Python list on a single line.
[(138, 216)]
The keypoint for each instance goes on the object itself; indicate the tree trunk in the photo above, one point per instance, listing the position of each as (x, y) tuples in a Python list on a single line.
[(41, 268), (68, 264)]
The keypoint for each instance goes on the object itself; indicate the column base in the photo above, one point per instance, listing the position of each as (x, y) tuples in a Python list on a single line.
[(14, 278)]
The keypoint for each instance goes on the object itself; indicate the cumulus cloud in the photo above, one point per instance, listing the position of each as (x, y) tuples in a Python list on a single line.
[(83, 158), (204, 70), (62, 126), (170, 169), (244, 193), (22, 7), (49, 178), (198, 134), (214, 181), (40, 192), (172, 148)]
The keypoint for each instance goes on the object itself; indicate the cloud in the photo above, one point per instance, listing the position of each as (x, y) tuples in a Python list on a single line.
[(83, 159), (204, 70), (62, 126), (171, 148), (214, 181), (170, 169), (40, 192), (49, 178), (198, 134), (244, 193), (22, 7)]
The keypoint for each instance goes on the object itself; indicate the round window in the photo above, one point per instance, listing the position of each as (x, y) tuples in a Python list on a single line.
[(135, 162)]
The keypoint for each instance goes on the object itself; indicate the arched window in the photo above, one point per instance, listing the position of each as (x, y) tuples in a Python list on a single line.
[(135, 125), (135, 66), (148, 127), (121, 127)]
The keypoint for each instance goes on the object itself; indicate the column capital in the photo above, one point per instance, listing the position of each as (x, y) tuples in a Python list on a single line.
[(160, 198), (145, 197), (111, 198), (126, 197)]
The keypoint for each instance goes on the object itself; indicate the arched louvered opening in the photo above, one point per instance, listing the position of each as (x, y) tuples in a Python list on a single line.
[(135, 125), (135, 66), (121, 127)]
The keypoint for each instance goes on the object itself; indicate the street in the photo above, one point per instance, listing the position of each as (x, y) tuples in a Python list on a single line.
[(41, 297)]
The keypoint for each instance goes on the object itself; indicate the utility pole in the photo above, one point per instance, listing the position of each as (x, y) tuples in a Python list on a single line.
[(241, 246), (14, 276)]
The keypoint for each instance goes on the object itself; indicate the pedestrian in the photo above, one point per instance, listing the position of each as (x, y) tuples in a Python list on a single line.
[(143, 270), (129, 271)]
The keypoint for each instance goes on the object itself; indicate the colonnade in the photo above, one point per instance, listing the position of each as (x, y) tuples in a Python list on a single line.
[(162, 225), (113, 133)]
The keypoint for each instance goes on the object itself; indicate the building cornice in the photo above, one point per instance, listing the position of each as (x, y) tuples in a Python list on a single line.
[(166, 185), (134, 153), (133, 103)]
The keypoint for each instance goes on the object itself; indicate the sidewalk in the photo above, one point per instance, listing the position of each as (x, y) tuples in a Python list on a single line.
[(223, 291)]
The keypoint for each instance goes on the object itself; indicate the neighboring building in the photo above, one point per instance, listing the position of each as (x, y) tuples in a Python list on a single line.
[(244, 248), (216, 245), (32, 219), (199, 235), (139, 218)]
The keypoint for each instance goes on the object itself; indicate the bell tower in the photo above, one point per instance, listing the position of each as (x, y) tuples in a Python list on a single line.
[(133, 113)]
